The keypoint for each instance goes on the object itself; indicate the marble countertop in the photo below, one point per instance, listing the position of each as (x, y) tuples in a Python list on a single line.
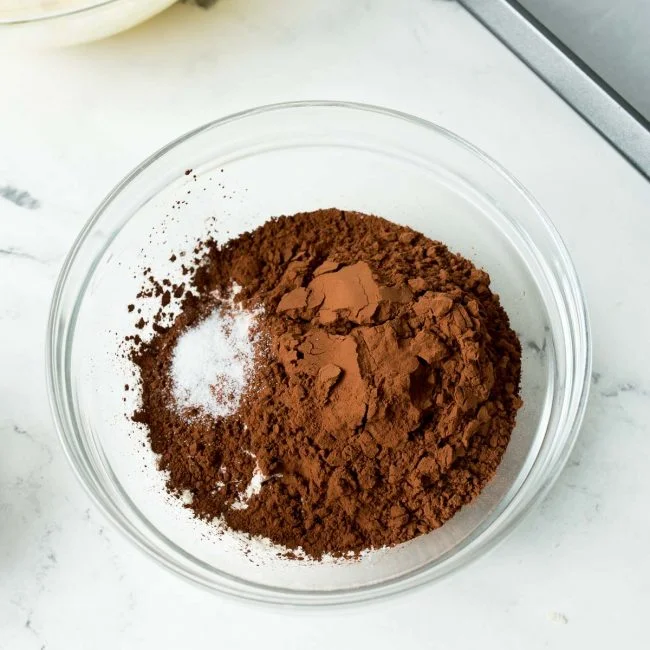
[(73, 122)]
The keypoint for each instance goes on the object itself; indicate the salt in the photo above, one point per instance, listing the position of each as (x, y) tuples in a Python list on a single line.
[(212, 362)]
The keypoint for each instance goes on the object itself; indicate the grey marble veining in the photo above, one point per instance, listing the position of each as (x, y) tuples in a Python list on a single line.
[(21, 198)]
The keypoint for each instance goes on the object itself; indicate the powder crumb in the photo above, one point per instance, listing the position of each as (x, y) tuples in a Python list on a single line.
[(559, 617)]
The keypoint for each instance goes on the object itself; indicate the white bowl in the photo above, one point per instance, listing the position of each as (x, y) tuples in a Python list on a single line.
[(47, 23)]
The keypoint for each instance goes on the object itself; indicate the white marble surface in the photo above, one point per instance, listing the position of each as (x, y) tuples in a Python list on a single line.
[(576, 574)]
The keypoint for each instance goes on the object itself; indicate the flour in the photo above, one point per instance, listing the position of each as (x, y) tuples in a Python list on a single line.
[(212, 361), (254, 487)]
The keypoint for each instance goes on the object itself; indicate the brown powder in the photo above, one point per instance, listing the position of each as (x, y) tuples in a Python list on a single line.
[(383, 397)]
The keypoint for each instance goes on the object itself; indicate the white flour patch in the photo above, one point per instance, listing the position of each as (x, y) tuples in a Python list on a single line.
[(253, 488), (213, 361)]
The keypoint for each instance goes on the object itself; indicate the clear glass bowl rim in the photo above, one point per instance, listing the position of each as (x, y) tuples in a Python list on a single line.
[(486, 538), (59, 14)]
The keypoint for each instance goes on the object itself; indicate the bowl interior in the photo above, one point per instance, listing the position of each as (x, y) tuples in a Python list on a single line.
[(244, 171)]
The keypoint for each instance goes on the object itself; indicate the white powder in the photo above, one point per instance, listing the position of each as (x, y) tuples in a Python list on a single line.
[(212, 362), (253, 488)]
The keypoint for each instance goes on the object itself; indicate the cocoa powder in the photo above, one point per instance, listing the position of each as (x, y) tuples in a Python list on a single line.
[(384, 393)]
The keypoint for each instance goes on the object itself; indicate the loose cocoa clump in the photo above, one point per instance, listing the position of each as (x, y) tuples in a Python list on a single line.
[(383, 395)]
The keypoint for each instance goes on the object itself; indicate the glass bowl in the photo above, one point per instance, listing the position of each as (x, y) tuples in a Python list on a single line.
[(283, 159), (35, 23)]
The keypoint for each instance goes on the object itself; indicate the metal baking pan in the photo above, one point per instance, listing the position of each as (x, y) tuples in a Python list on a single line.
[(559, 44)]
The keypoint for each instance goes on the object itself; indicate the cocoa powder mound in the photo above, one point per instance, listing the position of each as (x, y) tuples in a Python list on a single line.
[(384, 392)]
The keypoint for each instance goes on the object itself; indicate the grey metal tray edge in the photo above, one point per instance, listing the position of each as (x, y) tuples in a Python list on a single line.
[(589, 95)]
